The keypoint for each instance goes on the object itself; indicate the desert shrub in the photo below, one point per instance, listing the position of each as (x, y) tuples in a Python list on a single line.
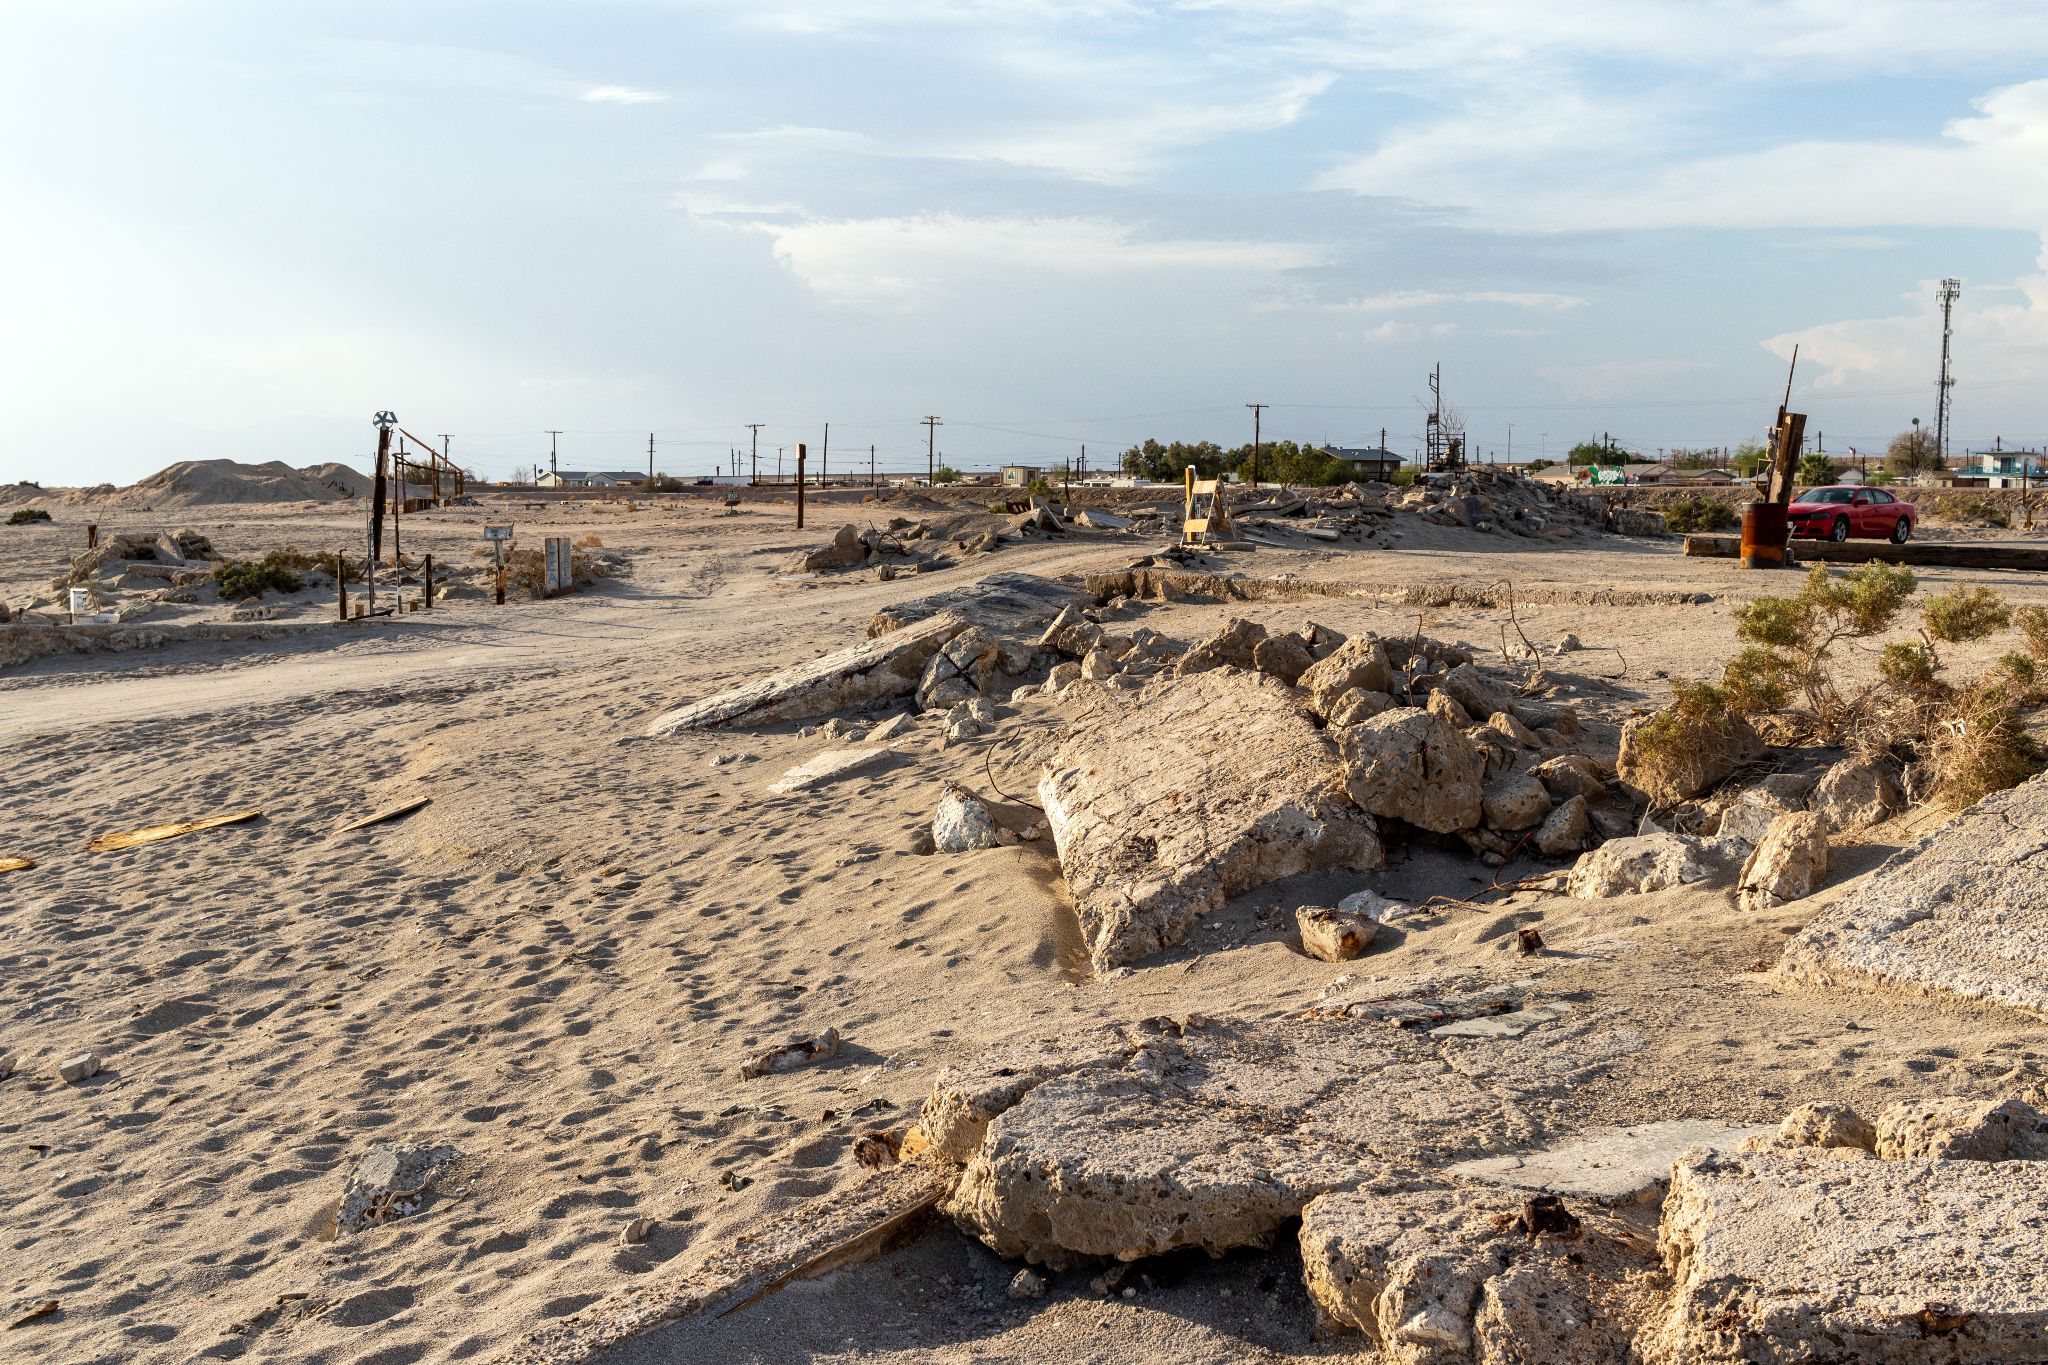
[(945, 474), (1969, 509), (244, 578), (1757, 680), (1794, 638), (1039, 488), (2033, 624), (1980, 745), (22, 516), (1404, 476), (1667, 753), (590, 542), (1815, 469), (1963, 614), (1696, 513), (1911, 668)]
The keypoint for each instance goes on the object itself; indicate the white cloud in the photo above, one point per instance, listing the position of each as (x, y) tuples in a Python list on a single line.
[(871, 258), (1431, 298), (1998, 340), (1614, 378), (1392, 331), (620, 94)]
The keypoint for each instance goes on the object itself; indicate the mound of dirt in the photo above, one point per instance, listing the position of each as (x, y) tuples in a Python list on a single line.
[(192, 482)]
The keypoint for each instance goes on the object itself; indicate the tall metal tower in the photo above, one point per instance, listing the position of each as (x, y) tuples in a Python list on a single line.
[(1951, 290), (1433, 422)]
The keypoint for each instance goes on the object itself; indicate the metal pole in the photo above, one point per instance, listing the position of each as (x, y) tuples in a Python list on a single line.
[(398, 507), (1258, 411), (799, 485), (931, 466), (871, 466), (824, 456), (754, 465), (498, 560), (340, 586), (428, 605)]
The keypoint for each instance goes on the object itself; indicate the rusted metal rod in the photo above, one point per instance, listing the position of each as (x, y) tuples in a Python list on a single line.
[(340, 586), (429, 604)]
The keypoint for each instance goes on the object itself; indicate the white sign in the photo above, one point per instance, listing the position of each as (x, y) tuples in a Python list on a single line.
[(497, 533)]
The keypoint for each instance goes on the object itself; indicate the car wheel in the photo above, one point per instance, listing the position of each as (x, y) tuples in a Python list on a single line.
[(1900, 530), (1841, 531)]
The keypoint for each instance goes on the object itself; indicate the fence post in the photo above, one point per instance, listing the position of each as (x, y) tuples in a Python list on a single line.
[(340, 586), (429, 605)]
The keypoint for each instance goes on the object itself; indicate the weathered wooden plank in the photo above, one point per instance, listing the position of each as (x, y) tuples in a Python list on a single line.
[(108, 843), (16, 864), (388, 813)]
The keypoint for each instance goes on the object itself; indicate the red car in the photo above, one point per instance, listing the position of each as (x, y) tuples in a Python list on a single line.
[(1841, 510)]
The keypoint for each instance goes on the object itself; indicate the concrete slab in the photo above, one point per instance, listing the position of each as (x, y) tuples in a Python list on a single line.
[(1513, 1024), (1612, 1165), (829, 767), (1010, 602), (1964, 912), (873, 670), (1828, 1259), (1208, 786)]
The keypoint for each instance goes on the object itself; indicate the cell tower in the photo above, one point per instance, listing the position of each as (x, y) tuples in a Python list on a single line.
[(1951, 290)]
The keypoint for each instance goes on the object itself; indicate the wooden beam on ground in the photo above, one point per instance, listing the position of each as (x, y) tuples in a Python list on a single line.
[(108, 843), (388, 813), (1930, 553), (16, 864)]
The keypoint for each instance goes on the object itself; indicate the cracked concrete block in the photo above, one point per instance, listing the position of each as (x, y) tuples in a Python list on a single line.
[(1802, 1258), (1285, 657), (1355, 706), (873, 670), (1607, 1165), (1788, 865), (1445, 707), (1817, 1125), (1515, 801), (1964, 912), (1409, 764), (1632, 866), (829, 767), (1568, 829), (1332, 934), (1234, 646), (1570, 775), (1854, 794), (1475, 690), (1957, 1129), (1159, 821), (1358, 664)]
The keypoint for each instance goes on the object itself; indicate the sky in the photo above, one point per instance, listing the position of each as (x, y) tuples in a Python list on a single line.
[(239, 228)]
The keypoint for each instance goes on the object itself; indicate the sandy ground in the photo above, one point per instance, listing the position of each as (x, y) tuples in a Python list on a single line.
[(558, 965)]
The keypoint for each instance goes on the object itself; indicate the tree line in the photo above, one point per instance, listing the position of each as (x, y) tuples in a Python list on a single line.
[(1279, 462)]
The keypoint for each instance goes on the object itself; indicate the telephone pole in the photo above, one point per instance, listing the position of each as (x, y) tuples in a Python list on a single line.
[(552, 471), (650, 462), (754, 464), (1258, 411), (1951, 290), (825, 456), (931, 465)]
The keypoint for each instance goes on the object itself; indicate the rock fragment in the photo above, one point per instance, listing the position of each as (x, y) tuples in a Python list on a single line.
[(1567, 829), (390, 1182), (962, 824), (1818, 1125), (1411, 765), (79, 1069), (1787, 865), (1956, 1129), (1515, 801), (1632, 866), (1334, 935), (1235, 646), (1854, 794), (1570, 775), (1359, 664), (792, 1056)]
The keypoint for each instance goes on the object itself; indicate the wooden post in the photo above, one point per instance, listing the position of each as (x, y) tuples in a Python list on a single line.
[(429, 605), (377, 495), (398, 507), (92, 535), (799, 485), (340, 586), (498, 558)]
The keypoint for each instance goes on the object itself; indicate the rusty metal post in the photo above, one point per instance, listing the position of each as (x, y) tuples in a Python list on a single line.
[(340, 586), (799, 485), (429, 604), (377, 495), (92, 535)]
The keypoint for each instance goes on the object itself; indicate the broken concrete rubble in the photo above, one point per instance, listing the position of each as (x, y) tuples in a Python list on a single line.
[(1235, 646), (1956, 1129), (959, 671), (390, 1182), (829, 767), (877, 669), (1567, 829), (1570, 775), (962, 824), (1410, 765), (1515, 801), (1156, 825), (1632, 866), (1609, 1165), (1359, 664), (1334, 935), (1964, 912), (1787, 864), (1780, 1257), (1854, 794)]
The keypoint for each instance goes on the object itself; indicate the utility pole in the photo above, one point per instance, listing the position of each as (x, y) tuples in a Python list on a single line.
[(931, 463), (1951, 290), (1434, 422), (650, 462), (1511, 443), (778, 462), (824, 456), (553, 472), (871, 466), (754, 468), (1258, 411), (799, 485)]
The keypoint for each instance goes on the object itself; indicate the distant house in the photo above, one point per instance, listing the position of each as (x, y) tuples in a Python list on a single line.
[(2003, 469), (1367, 462), (1021, 475), (591, 478)]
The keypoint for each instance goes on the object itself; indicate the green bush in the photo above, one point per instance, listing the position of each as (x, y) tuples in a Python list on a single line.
[(1699, 514), (242, 578), (24, 515)]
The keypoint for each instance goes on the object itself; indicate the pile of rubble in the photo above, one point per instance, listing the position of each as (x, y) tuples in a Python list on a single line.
[(895, 546)]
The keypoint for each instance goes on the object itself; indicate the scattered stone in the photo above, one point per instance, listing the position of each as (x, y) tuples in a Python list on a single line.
[(959, 671), (1445, 707), (836, 728), (1633, 866), (1789, 863), (1028, 1283), (1782, 1257), (389, 1183), (1158, 822), (1374, 906), (1070, 633), (1357, 705), (1854, 794), (1955, 1129), (1099, 666), (6, 1065), (1334, 935), (1410, 765), (1512, 1024), (963, 824), (1817, 1125), (844, 551), (1285, 657), (891, 728), (636, 1231), (1235, 646), (1515, 801), (1100, 521), (1570, 775), (79, 1069), (792, 1056), (1474, 690), (1063, 676), (1359, 664), (1964, 912), (1567, 829), (1521, 734), (1692, 755)]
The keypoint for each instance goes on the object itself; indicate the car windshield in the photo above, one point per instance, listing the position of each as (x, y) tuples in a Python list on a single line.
[(1825, 495)]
